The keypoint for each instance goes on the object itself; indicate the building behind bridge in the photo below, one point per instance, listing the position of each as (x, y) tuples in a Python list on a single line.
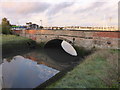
[(82, 28)]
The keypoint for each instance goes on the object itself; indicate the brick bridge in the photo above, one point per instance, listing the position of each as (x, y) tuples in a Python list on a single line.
[(88, 39)]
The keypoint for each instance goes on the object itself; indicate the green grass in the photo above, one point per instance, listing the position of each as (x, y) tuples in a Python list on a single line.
[(98, 70), (13, 43), (12, 39)]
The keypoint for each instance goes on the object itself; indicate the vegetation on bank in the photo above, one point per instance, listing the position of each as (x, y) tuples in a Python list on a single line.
[(41, 44), (13, 43), (5, 26), (98, 70)]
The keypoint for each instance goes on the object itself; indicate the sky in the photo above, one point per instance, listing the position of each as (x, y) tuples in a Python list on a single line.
[(61, 12)]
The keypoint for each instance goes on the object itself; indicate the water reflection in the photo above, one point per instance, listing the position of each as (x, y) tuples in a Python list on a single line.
[(43, 58), (29, 70), (21, 72), (68, 48), (1, 77)]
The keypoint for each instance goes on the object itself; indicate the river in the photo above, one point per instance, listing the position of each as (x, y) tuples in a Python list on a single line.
[(33, 68)]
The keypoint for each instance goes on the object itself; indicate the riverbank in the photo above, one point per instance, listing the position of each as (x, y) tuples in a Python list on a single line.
[(13, 43), (98, 70)]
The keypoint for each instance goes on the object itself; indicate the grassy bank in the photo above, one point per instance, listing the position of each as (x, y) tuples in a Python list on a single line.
[(98, 70), (12, 43)]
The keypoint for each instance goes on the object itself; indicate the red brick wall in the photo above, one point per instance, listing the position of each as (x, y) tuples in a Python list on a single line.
[(95, 34), (30, 31), (107, 34), (17, 31)]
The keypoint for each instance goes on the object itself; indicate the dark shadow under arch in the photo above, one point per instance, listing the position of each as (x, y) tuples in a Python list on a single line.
[(55, 43), (54, 49)]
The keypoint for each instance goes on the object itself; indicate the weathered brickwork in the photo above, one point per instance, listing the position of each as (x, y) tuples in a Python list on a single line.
[(87, 39)]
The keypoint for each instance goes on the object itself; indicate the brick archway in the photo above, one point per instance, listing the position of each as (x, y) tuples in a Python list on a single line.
[(60, 38)]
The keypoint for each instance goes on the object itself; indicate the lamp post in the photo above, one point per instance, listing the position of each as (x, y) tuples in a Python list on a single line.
[(41, 22)]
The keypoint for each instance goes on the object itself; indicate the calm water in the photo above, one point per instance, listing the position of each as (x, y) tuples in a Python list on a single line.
[(31, 69), (25, 73)]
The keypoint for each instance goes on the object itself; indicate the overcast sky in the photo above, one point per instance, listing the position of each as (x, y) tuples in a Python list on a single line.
[(61, 12)]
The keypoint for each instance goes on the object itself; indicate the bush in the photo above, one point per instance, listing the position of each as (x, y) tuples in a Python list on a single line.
[(5, 26)]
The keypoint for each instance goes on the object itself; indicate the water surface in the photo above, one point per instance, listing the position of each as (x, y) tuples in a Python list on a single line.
[(21, 72), (32, 69)]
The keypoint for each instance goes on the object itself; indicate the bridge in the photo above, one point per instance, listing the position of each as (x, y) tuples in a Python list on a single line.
[(83, 38)]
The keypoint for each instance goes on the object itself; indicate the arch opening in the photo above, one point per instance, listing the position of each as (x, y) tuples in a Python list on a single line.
[(55, 43), (61, 50)]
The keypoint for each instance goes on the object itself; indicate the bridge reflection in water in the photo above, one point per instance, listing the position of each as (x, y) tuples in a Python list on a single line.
[(36, 67)]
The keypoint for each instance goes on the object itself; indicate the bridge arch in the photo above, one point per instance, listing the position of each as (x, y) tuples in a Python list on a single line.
[(59, 38), (61, 50), (62, 44)]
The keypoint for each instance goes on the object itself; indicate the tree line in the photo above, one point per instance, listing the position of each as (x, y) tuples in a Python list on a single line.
[(5, 26)]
